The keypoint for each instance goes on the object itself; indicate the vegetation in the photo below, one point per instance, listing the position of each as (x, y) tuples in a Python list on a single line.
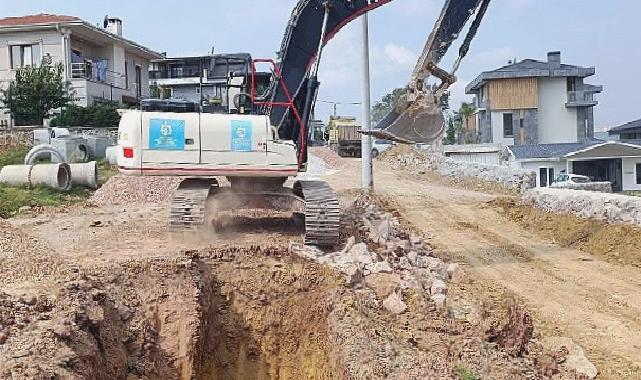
[(99, 115), (13, 198), (387, 104), (36, 92), (459, 129), (466, 374)]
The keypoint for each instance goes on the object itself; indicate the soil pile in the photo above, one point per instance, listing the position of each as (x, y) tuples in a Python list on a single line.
[(615, 243), (124, 190)]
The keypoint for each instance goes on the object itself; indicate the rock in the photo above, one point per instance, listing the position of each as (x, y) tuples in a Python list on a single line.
[(381, 267), (394, 304), (353, 275), (383, 284), (412, 256), (438, 287), (440, 300), (380, 229), (28, 299), (432, 263), (415, 240), (575, 358), (404, 263), (455, 273), (360, 254), (24, 210), (349, 244)]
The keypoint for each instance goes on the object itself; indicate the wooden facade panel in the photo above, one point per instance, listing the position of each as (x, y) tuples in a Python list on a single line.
[(513, 94)]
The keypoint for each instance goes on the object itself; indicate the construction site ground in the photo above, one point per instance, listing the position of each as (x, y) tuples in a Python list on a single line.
[(106, 291)]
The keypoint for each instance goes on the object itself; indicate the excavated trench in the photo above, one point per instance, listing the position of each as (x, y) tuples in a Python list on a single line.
[(243, 312), (264, 321)]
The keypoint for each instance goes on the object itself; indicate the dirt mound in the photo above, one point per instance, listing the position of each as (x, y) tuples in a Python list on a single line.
[(124, 190), (615, 243), (331, 159)]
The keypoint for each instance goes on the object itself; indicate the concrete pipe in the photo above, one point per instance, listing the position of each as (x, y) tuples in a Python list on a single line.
[(111, 154), (85, 174), (42, 150), (55, 176)]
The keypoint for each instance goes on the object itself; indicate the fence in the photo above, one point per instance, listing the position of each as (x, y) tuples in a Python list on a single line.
[(13, 139)]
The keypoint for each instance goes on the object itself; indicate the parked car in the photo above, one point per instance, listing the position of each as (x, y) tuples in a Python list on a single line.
[(566, 180), (380, 146)]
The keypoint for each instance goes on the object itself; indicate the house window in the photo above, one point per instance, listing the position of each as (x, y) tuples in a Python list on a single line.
[(571, 84), (508, 125), (126, 76), (25, 55), (638, 174)]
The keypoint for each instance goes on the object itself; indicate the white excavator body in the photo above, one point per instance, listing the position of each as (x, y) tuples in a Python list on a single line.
[(203, 145)]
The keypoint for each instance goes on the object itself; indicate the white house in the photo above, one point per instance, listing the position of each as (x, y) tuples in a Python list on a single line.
[(99, 62), (617, 162)]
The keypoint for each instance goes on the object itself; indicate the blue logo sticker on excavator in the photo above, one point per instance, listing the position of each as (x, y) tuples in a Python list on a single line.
[(241, 136), (166, 134)]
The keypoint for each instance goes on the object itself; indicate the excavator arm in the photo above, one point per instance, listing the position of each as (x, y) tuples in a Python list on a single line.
[(314, 23)]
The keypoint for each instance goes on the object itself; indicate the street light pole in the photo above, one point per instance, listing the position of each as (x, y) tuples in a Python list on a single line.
[(366, 139)]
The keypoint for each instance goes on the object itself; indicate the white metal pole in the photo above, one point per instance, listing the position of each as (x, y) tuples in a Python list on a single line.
[(366, 140)]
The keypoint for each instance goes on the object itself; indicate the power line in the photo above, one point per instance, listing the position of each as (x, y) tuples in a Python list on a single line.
[(335, 104)]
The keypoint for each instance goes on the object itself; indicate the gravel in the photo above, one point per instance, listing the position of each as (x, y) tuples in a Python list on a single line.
[(331, 159), (124, 190)]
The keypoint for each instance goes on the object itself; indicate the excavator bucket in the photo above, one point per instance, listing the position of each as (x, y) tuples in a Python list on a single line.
[(420, 121)]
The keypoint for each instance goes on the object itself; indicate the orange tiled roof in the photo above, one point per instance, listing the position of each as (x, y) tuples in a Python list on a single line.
[(42, 18)]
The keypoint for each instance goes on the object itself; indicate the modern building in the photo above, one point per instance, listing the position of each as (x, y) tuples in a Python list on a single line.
[(535, 102), (206, 79), (99, 62), (627, 132)]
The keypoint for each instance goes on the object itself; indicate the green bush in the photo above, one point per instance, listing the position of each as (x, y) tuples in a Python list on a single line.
[(99, 115)]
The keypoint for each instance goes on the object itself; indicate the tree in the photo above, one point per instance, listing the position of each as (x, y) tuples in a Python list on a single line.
[(383, 107), (467, 112), (36, 91), (450, 133), (98, 115)]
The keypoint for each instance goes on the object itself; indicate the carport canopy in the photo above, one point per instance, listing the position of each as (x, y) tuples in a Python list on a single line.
[(610, 149)]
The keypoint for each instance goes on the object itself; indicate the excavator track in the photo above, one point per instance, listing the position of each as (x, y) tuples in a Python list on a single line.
[(322, 213), (188, 204)]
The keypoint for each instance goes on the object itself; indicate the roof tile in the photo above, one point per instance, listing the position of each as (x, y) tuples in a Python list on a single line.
[(42, 18)]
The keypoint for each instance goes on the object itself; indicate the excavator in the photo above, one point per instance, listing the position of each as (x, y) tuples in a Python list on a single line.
[(258, 139)]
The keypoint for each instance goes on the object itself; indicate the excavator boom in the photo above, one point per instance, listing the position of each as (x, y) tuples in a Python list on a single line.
[(419, 118)]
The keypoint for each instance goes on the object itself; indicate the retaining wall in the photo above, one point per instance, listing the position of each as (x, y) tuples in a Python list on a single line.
[(511, 178), (611, 208)]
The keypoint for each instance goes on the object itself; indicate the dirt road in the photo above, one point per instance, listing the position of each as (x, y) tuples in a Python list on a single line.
[(571, 293)]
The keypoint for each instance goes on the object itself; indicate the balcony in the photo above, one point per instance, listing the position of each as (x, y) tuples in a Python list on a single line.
[(91, 83), (584, 98), (94, 72)]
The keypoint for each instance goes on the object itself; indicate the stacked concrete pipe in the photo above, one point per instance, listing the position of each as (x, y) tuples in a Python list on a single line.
[(85, 174), (111, 154), (43, 150), (55, 176)]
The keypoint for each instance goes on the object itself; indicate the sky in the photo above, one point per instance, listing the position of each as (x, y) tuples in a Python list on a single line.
[(603, 34)]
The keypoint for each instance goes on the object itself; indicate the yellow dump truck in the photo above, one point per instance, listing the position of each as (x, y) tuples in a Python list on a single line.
[(344, 137)]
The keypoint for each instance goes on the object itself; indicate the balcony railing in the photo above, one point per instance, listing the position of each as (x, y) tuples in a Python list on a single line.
[(175, 74), (581, 98), (94, 73)]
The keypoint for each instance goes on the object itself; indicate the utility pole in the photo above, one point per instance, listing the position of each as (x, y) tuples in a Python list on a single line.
[(366, 140)]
